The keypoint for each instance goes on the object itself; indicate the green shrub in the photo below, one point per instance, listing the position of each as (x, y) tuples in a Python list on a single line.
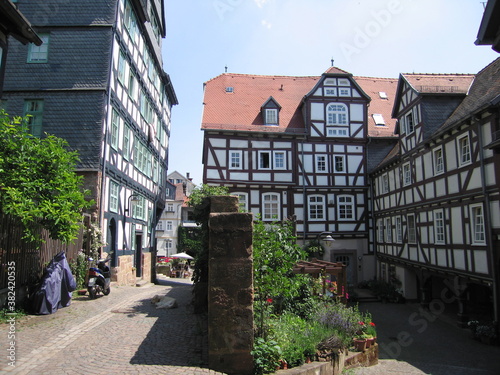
[(266, 356)]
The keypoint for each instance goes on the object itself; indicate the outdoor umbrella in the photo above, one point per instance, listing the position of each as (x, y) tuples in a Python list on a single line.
[(182, 256)]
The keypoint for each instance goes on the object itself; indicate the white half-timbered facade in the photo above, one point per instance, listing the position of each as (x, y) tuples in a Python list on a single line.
[(436, 196), (297, 147)]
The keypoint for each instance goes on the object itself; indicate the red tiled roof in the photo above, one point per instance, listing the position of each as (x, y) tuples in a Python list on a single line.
[(440, 83), (234, 101)]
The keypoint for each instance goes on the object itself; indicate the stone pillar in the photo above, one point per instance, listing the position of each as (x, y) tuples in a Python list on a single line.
[(230, 288)]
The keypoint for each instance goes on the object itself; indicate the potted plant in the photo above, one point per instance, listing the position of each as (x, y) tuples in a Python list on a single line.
[(487, 333)]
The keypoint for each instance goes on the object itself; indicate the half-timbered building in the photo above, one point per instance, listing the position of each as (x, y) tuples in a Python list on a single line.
[(436, 194), (298, 147), (98, 81)]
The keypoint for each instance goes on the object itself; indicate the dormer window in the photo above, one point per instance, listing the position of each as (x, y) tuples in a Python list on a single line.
[(271, 116), (270, 112)]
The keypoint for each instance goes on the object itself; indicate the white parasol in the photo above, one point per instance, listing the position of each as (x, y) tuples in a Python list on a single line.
[(181, 256)]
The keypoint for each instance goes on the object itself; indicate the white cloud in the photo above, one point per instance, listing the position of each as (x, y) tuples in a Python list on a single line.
[(260, 3), (266, 24)]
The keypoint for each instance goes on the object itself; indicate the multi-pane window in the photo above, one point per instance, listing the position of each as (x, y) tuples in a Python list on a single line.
[(478, 233), (170, 207), (279, 160), (385, 183), (271, 116), (115, 129), (406, 174), (33, 109), (235, 159), (336, 114), (113, 196), (242, 201), (439, 226), (410, 126), (320, 163), (464, 150), (399, 230), (122, 65), (159, 226), (39, 54), (380, 223), (438, 161), (412, 229), (339, 164), (345, 204), (139, 208), (169, 225), (126, 142), (270, 207), (132, 86), (316, 207), (130, 20), (388, 230)]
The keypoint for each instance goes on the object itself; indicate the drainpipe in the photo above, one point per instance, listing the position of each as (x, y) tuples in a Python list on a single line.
[(487, 221)]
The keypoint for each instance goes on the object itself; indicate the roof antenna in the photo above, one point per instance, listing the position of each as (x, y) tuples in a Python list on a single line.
[(225, 68), (332, 61)]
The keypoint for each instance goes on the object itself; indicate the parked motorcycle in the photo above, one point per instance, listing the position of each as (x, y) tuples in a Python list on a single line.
[(99, 278)]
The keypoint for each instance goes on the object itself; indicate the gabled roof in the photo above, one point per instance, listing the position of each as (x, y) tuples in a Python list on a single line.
[(240, 109), (484, 92), (432, 84), (234, 102)]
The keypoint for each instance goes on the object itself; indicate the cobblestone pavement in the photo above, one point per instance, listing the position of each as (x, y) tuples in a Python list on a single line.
[(122, 333)]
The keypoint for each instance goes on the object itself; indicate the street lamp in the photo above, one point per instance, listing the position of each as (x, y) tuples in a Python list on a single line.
[(133, 198), (326, 238)]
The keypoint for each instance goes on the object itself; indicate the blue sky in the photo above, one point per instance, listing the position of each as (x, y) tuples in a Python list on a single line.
[(375, 38)]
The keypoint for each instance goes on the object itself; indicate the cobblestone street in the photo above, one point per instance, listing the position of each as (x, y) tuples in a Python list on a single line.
[(122, 333)]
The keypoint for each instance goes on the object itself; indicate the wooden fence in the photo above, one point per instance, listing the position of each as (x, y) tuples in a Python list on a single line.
[(29, 260)]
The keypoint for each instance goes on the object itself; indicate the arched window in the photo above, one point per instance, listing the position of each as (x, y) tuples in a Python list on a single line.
[(336, 114)]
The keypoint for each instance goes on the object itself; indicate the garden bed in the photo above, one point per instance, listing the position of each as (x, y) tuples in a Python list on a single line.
[(346, 360)]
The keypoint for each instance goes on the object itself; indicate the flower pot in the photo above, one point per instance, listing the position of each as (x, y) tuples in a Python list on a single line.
[(360, 345), (370, 342)]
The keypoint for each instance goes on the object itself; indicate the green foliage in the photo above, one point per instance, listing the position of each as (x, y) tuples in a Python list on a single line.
[(79, 269), (16, 314), (199, 200), (266, 356), (298, 337), (37, 181), (275, 252)]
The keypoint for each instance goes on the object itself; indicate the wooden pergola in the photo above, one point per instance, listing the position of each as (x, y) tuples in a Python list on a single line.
[(321, 268)]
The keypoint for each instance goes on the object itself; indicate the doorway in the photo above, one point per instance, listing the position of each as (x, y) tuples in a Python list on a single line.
[(138, 255), (348, 260)]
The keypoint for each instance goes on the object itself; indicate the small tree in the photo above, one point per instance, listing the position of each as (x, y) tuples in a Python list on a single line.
[(38, 183)]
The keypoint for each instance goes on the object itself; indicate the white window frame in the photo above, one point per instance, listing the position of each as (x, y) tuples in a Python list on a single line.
[(330, 91), (321, 163), (344, 91), (242, 201), (279, 160), (337, 132), (271, 207), (381, 237), (411, 226), (235, 159), (169, 225), (477, 224), (464, 150), (159, 226), (316, 207), (399, 230), (126, 142), (388, 230), (385, 183), (439, 227), (337, 114), (438, 158), (409, 123), (39, 54), (336, 164), (115, 129), (269, 160), (345, 207), (406, 174), (271, 115), (114, 194), (170, 207)]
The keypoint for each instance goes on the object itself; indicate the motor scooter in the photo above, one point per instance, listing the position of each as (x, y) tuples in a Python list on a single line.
[(99, 278)]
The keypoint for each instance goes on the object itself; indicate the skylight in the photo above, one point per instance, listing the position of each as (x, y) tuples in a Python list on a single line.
[(229, 89), (383, 95), (379, 119)]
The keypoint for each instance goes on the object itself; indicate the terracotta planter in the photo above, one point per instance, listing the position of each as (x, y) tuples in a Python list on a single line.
[(360, 345), (370, 342)]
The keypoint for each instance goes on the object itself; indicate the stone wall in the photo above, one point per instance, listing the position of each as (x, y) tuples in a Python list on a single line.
[(230, 288), (124, 274), (146, 267)]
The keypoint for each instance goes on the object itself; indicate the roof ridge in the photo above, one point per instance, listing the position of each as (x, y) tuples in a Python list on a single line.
[(439, 74), (384, 78)]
